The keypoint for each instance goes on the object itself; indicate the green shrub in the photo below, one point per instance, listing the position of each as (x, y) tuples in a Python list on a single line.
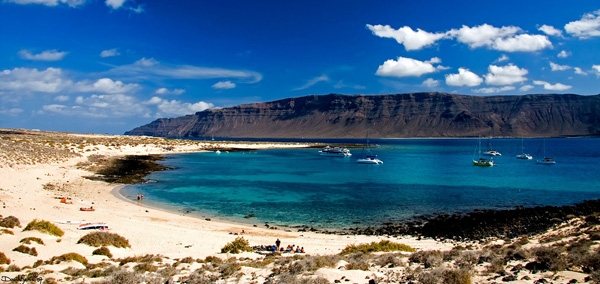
[(10, 222), (44, 227), (26, 250), (102, 251), (28, 240), (4, 259), (98, 239), (238, 245), (385, 246), (69, 256)]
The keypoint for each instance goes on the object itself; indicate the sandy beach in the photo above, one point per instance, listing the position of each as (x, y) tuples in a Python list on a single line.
[(32, 186)]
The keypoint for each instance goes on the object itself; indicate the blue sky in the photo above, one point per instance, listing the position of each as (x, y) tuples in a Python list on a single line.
[(107, 66)]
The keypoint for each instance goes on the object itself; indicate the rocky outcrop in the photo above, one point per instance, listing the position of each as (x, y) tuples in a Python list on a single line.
[(392, 116)]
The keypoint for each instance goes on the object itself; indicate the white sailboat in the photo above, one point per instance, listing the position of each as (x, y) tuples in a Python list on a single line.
[(480, 161), (368, 157), (545, 160), (490, 151), (523, 155)]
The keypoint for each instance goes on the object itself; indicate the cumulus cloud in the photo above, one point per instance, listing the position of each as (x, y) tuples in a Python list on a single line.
[(526, 88), (550, 30), (61, 98), (177, 108), (71, 3), (503, 39), (493, 90), (412, 40), (149, 67), (578, 71), (502, 58), (596, 69), (110, 53), (555, 87), (20, 80), (505, 75), (115, 4), (564, 54), (557, 67), (463, 78), (47, 55), (107, 105), (105, 85), (588, 26), (406, 67), (165, 91), (224, 85), (11, 111), (430, 83), (312, 82)]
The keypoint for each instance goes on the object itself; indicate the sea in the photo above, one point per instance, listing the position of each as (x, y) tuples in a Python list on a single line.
[(419, 177)]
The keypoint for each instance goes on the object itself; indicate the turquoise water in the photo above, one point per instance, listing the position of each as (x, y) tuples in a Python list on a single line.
[(419, 177)]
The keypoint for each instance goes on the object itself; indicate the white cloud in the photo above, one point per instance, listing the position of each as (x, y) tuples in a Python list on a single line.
[(483, 35), (405, 67), (101, 106), (165, 91), (588, 26), (578, 71), (555, 87), (502, 58), (412, 40), (463, 78), (149, 67), (523, 42), (493, 90), (110, 53), (105, 85), (505, 75), (312, 82), (19, 80), (224, 85), (557, 67), (503, 39), (177, 108), (71, 3), (526, 88), (550, 30), (340, 84), (430, 83), (61, 98), (564, 54), (47, 55), (115, 4), (596, 68), (11, 111)]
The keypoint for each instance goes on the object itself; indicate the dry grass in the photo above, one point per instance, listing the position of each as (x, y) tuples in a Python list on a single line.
[(28, 240), (99, 239), (26, 250), (382, 246), (44, 227)]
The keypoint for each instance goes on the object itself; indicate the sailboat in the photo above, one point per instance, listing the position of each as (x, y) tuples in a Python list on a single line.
[(490, 151), (481, 162), (523, 156), (546, 160), (368, 156)]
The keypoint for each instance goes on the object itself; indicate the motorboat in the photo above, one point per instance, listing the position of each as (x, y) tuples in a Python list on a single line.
[(335, 152)]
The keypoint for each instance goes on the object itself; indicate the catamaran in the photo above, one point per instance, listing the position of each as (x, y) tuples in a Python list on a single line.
[(523, 155), (546, 160), (479, 161)]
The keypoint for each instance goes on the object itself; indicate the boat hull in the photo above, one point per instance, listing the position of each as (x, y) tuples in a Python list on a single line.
[(483, 163), (524, 157), (369, 161)]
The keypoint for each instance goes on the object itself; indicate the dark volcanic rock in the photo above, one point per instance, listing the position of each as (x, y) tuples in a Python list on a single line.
[(388, 116)]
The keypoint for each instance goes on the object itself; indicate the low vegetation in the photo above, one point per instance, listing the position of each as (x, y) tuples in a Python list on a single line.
[(6, 231), (44, 227), (28, 240), (26, 250), (102, 251), (68, 257), (238, 245), (10, 222), (382, 246), (4, 259), (99, 239)]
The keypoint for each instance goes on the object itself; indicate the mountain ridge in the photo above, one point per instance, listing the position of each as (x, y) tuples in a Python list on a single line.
[(404, 115)]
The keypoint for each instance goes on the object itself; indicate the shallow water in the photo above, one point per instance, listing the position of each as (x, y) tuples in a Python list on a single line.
[(419, 177)]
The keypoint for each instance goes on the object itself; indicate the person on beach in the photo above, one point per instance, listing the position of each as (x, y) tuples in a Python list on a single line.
[(142, 197), (277, 243), (138, 196)]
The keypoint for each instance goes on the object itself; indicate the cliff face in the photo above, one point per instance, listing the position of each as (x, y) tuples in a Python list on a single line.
[(391, 116)]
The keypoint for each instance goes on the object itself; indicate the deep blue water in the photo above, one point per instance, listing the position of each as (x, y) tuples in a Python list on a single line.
[(418, 177)]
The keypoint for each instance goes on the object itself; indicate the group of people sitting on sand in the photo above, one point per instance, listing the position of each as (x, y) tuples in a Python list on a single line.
[(278, 248)]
